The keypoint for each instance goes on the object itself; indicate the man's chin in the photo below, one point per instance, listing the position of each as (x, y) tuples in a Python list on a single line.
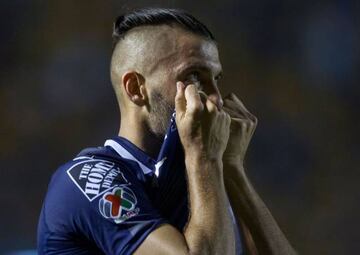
[(159, 135), (159, 125)]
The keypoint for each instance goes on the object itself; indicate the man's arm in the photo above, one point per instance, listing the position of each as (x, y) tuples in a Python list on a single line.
[(208, 231), (251, 210), (204, 132), (262, 233)]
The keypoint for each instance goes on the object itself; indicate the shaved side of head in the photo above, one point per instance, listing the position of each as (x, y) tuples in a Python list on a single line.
[(144, 39), (143, 50)]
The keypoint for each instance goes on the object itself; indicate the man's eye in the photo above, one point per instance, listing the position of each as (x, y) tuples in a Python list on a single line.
[(218, 77), (193, 78)]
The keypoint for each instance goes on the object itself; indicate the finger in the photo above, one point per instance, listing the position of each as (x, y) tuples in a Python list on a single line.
[(233, 101), (203, 97), (233, 113), (210, 106), (239, 102), (193, 100), (228, 96), (226, 116), (230, 103), (180, 101)]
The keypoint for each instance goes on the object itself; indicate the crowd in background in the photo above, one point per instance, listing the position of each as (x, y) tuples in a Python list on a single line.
[(295, 65)]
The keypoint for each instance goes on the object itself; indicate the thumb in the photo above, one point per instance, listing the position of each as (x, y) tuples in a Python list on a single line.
[(180, 101)]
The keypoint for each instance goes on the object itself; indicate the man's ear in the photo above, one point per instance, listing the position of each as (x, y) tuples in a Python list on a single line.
[(134, 86)]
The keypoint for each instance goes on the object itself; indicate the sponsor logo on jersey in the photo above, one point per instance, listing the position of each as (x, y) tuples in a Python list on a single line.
[(94, 177), (119, 204)]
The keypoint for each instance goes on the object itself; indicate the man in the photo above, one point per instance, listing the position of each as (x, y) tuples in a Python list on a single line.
[(160, 188)]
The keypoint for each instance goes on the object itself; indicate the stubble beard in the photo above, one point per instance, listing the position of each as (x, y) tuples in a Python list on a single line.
[(160, 114)]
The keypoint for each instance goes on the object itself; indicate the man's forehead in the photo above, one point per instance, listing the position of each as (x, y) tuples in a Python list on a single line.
[(173, 46), (189, 49), (197, 52)]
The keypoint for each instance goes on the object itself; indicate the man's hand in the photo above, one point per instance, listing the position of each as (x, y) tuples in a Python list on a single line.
[(261, 233), (204, 133), (203, 128), (242, 128)]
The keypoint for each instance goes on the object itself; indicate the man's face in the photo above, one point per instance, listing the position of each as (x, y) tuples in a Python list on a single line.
[(181, 56)]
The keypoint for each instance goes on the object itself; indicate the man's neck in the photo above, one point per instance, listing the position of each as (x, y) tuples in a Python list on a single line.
[(141, 136)]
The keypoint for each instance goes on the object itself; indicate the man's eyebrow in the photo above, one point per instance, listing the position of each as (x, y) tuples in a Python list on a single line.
[(198, 66)]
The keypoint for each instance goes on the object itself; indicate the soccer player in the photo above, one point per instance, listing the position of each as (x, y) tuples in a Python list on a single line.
[(170, 182)]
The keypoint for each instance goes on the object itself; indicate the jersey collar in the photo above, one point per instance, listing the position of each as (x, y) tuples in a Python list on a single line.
[(128, 150)]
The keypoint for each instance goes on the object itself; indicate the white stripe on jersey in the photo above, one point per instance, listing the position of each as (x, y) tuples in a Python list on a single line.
[(127, 155)]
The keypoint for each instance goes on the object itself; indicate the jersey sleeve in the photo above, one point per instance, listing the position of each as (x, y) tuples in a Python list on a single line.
[(112, 208)]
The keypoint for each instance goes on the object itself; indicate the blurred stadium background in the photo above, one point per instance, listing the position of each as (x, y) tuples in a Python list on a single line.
[(295, 64)]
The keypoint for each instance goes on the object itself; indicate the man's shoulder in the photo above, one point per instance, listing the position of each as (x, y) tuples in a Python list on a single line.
[(94, 171), (90, 197), (77, 186)]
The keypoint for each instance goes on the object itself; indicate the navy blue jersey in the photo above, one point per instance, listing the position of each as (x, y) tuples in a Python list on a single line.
[(108, 199)]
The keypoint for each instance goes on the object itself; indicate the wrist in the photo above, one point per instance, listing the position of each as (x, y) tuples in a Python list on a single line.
[(234, 174), (232, 159), (201, 161), (201, 156), (233, 166), (201, 167)]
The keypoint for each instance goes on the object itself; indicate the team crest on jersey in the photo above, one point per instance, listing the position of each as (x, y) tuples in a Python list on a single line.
[(94, 177), (119, 204)]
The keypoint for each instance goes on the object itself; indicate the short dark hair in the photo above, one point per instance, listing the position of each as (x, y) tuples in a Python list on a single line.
[(158, 16)]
